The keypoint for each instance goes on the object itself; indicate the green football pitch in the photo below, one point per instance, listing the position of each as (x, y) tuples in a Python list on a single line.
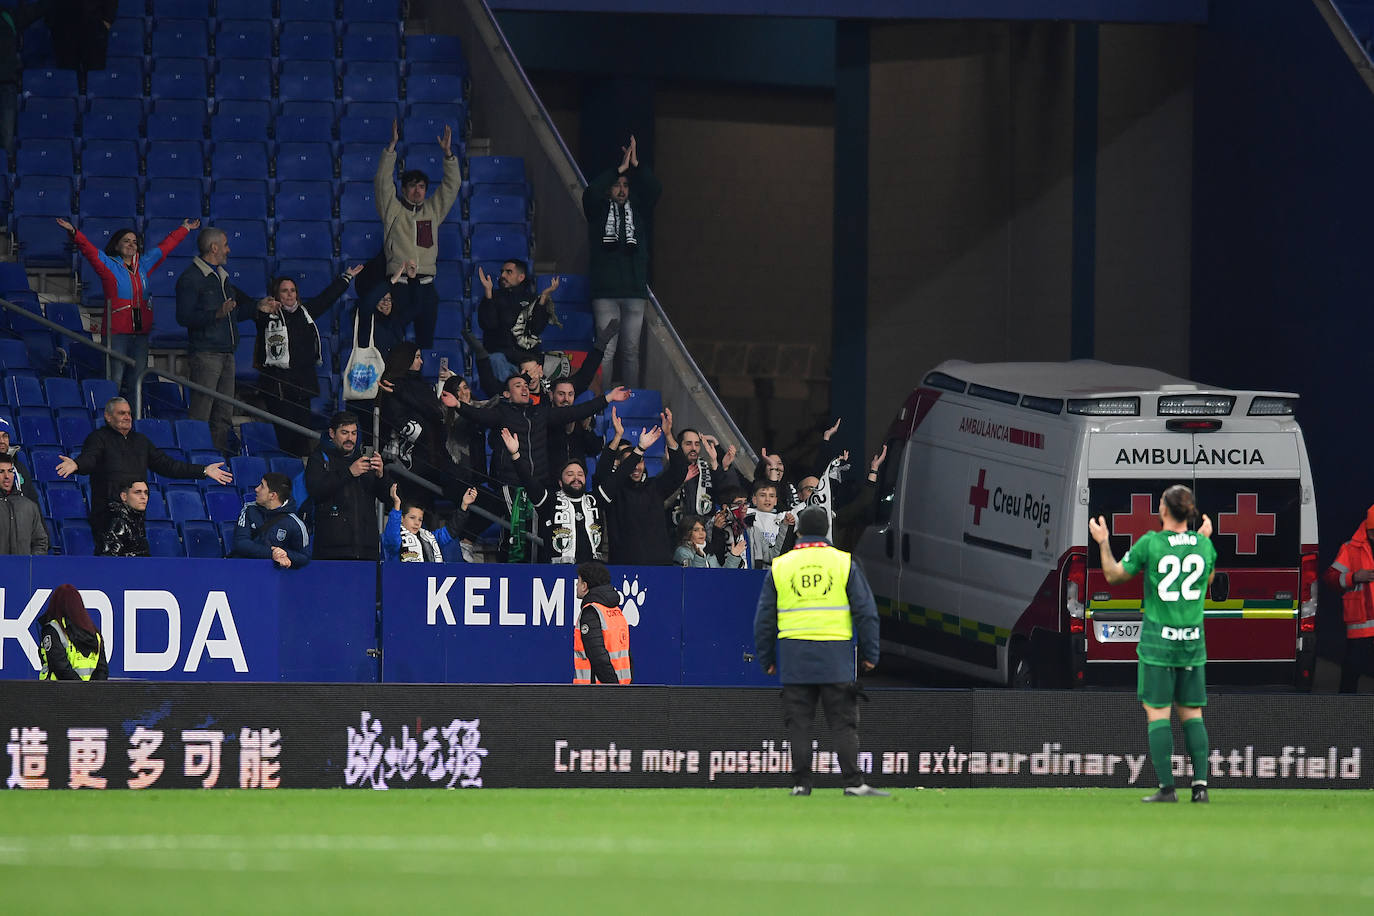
[(684, 851)]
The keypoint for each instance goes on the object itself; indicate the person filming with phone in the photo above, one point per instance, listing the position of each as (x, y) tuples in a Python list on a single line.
[(344, 485)]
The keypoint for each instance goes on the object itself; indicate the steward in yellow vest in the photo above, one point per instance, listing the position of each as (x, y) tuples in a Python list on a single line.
[(69, 645), (815, 600)]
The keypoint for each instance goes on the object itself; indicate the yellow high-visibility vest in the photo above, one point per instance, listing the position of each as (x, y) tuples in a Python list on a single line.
[(83, 665), (812, 602)]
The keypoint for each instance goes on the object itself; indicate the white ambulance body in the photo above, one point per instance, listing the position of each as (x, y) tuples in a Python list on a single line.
[(980, 556)]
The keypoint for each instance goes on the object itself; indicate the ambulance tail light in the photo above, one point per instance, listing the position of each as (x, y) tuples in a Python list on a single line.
[(1273, 407), (1105, 407), (1307, 594), (1075, 589), (1196, 405)]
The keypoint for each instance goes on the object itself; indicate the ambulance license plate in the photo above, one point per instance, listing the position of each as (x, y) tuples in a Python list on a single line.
[(1118, 632)]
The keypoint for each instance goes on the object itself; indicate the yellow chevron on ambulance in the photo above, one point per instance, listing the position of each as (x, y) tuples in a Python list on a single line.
[(979, 553)]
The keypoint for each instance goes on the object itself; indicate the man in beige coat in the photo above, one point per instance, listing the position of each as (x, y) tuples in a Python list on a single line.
[(410, 233)]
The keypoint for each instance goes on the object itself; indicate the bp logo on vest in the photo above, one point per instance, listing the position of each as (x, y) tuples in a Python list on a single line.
[(811, 580), (631, 600)]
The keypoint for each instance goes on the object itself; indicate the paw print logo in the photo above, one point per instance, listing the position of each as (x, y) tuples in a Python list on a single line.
[(631, 600)]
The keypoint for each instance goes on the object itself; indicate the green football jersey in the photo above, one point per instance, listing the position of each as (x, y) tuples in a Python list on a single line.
[(1177, 565)]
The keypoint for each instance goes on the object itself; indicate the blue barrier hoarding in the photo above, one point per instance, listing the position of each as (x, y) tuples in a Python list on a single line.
[(201, 620)]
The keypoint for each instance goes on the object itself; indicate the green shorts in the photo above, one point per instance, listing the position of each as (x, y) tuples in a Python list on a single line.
[(1161, 686)]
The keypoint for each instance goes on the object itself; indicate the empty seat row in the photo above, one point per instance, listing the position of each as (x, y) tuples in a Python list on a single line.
[(260, 38), (323, 10)]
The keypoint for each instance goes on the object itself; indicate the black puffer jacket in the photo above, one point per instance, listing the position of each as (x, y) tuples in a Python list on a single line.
[(413, 425), (127, 534)]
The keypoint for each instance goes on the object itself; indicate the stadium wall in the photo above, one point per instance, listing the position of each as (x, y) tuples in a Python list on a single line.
[(125, 735)]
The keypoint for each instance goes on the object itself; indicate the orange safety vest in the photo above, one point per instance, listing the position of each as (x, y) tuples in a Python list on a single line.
[(1356, 600), (616, 634)]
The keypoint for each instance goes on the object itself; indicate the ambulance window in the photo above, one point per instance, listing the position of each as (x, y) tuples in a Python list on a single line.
[(887, 481), (1045, 405), (994, 394), (946, 382)]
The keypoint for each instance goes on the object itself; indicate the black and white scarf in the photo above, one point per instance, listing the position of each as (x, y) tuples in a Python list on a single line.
[(620, 226), (563, 536), (277, 339), (701, 501), (420, 547), (824, 494)]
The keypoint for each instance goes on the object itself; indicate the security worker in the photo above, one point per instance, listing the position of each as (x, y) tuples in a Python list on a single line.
[(70, 646), (601, 640), (1351, 575), (812, 599)]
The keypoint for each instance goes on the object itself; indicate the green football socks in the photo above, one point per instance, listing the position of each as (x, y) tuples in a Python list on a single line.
[(1162, 752), (1195, 740)]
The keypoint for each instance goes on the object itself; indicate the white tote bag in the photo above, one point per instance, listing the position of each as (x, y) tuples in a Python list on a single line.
[(363, 373)]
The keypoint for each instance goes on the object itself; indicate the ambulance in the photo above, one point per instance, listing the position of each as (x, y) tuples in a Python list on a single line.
[(980, 557)]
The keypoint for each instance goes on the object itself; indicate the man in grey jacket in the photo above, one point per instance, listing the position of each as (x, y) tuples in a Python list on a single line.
[(410, 233), (210, 308), (21, 527)]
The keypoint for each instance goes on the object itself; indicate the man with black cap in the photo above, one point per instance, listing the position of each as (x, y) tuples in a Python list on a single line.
[(815, 602), (410, 232)]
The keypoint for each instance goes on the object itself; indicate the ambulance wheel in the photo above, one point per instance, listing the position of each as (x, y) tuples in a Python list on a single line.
[(1020, 665)]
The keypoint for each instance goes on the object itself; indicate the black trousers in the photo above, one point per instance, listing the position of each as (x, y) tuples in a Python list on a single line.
[(841, 702), (1357, 659)]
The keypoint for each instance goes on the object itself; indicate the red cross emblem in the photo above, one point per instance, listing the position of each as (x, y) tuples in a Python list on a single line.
[(1142, 519), (978, 496), (1247, 523)]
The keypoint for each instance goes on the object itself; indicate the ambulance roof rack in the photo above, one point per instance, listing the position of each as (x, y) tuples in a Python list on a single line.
[(1094, 388)]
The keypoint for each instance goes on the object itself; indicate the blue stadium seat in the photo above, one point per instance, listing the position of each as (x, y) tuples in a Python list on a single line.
[(499, 241), (185, 503), (450, 322), (644, 404), (289, 465), (372, 11), (35, 430), (113, 119), (179, 78), (358, 162), (111, 197), (122, 78), (491, 208), (244, 370), (239, 159), (252, 9), (44, 117), (312, 275), (482, 169), (260, 439), (572, 288), (223, 504), (304, 162), (170, 198), (159, 432), (304, 239), (248, 274), (238, 199), (167, 334), (68, 314), (368, 122), (428, 158), (183, 9), (433, 47), (371, 81), (305, 122), (163, 540), (176, 159), (157, 503), (451, 285), (311, 80), (427, 120), (319, 10), (176, 119), (307, 40), (43, 462), (355, 202), (247, 238), (193, 435), (430, 368), (201, 538), (72, 431), (426, 84), (308, 200), (576, 333), (371, 40), (96, 393), (247, 471), (243, 39), (360, 241), (110, 158), (43, 195), (164, 400), (245, 79), (181, 38), (50, 82), (45, 156), (125, 39), (76, 539), (62, 392), (43, 241), (66, 501)]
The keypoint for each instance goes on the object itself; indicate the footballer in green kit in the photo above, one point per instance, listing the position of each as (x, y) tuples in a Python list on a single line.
[(1178, 564)]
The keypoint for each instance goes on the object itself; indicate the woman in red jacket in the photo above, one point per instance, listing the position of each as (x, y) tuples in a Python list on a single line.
[(124, 278)]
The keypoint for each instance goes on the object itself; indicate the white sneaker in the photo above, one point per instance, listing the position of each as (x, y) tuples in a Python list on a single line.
[(866, 789), (801, 790)]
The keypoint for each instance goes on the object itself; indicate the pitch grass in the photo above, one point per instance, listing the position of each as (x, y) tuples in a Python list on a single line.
[(685, 851)]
